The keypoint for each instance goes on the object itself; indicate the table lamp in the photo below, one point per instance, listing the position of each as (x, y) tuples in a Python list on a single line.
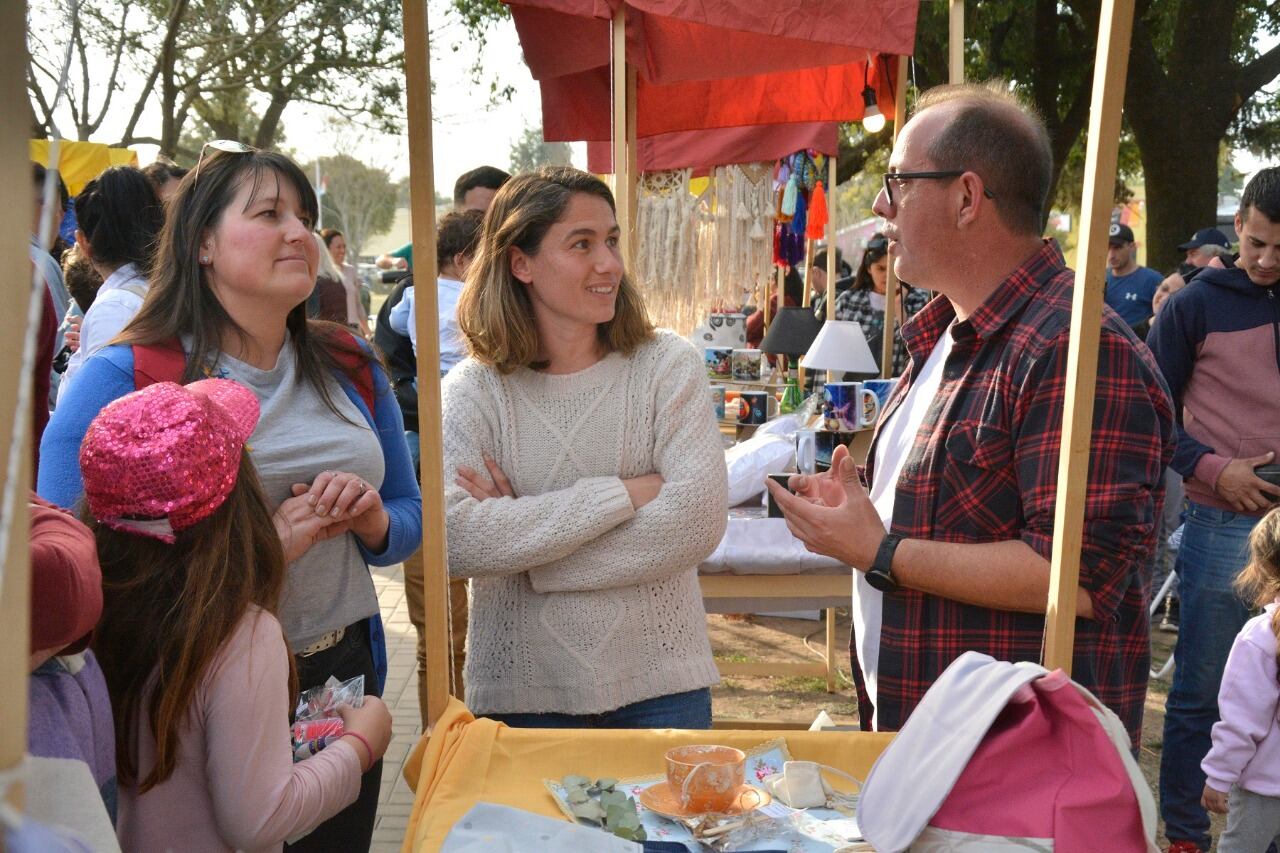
[(841, 347), (791, 332), (790, 335)]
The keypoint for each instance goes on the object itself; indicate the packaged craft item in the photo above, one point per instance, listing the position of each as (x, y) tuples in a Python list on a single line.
[(316, 721)]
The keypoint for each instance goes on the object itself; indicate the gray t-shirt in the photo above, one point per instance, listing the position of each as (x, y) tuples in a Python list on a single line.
[(297, 437)]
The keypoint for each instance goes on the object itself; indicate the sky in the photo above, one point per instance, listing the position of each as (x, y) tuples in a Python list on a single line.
[(466, 131)]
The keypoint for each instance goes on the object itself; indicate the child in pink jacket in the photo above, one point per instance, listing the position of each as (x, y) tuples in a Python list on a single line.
[(1243, 767)]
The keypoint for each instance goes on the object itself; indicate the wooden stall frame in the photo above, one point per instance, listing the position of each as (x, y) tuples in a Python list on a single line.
[(1110, 66), (15, 224), (1114, 31), (417, 65), (955, 42), (891, 280)]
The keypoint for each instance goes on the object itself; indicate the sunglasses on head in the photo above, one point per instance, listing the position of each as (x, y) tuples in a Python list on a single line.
[(227, 146)]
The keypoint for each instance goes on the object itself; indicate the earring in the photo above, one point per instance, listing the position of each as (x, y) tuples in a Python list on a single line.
[(204, 259)]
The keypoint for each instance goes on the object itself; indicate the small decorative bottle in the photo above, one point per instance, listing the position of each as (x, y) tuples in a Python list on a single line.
[(792, 399)]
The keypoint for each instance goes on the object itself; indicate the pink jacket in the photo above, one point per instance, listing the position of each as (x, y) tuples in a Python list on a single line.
[(235, 786), (1246, 742)]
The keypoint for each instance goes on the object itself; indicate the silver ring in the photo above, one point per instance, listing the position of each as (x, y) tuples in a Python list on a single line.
[(363, 488)]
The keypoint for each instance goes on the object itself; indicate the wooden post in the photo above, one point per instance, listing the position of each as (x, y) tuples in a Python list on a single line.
[(831, 236), (1110, 66), (15, 271), (891, 280), (782, 274), (633, 170), (417, 71), (955, 43), (621, 180), (807, 296)]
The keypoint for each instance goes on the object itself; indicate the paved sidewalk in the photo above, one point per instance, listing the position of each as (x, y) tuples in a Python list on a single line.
[(401, 696)]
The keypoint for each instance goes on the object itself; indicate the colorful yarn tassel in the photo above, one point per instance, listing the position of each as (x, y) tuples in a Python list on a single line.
[(816, 224), (798, 218), (789, 197)]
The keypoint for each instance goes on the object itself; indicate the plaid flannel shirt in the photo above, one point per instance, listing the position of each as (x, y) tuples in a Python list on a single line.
[(855, 304), (984, 468)]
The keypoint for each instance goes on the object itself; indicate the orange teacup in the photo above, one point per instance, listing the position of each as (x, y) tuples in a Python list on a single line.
[(706, 778)]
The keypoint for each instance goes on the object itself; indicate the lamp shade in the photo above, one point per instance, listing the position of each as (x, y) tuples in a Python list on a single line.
[(840, 346), (792, 332)]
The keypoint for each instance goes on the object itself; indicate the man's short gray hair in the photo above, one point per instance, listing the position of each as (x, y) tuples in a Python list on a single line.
[(997, 135)]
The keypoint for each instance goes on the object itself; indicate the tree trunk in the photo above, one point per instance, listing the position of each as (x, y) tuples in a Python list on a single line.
[(1179, 117), (270, 122), (1181, 171)]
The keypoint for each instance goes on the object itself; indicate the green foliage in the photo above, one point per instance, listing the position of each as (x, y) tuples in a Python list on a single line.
[(530, 151), (360, 200)]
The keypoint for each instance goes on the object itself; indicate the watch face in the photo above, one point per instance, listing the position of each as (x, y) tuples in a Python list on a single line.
[(881, 580)]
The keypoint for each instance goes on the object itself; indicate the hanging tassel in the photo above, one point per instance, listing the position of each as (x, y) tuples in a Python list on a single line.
[(756, 233), (802, 210), (789, 197), (778, 230), (816, 226)]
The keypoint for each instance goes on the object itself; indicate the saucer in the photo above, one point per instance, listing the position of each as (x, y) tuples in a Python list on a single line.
[(664, 800)]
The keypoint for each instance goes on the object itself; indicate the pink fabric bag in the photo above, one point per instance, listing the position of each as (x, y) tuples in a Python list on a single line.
[(1002, 756)]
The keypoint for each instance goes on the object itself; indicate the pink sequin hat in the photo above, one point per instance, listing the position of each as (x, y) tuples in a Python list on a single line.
[(164, 458)]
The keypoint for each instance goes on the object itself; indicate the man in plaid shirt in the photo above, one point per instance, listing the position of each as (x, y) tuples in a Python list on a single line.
[(952, 539)]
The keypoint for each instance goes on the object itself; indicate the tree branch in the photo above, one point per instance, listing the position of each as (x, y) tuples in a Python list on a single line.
[(1257, 74)]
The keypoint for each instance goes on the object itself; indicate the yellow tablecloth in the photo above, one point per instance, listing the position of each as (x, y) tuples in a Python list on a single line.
[(467, 760)]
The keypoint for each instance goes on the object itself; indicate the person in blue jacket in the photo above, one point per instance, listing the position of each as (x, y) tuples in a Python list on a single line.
[(233, 268)]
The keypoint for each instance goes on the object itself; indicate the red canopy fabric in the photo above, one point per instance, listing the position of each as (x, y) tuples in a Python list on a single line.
[(576, 106), (704, 149), (779, 62), (675, 40)]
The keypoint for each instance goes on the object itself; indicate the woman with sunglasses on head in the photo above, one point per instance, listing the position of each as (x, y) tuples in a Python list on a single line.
[(235, 264), (118, 217), (864, 302), (590, 476)]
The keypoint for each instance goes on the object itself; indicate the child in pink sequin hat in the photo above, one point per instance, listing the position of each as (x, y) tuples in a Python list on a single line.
[(164, 458), (200, 675)]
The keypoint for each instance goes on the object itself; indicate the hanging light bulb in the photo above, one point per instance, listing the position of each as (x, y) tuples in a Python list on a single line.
[(872, 118)]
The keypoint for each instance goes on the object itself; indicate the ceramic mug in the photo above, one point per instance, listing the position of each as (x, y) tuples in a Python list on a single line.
[(848, 406), (746, 365), (753, 407), (825, 443), (717, 401), (882, 388), (719, 361), (807, 451), (706, 778)]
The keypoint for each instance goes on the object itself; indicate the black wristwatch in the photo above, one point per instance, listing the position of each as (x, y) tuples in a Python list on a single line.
[(880, 575)]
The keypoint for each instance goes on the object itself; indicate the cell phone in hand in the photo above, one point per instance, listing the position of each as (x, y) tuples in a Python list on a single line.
[(783, 480)]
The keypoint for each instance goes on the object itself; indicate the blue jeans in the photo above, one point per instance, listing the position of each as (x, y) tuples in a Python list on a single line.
[(1214, 550), (691, 710)]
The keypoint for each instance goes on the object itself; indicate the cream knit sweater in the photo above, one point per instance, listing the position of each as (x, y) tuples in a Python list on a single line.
[(579, 603)]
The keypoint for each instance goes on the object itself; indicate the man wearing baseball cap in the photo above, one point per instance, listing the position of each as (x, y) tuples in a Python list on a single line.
[(1129, 287), (1201, 249)]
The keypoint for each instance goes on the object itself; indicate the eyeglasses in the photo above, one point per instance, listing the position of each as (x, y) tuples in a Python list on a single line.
[(229, 146), (891, 177)]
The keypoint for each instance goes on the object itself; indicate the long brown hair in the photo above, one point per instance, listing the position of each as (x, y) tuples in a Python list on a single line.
[(168, 609), (495, 313), (179, 301), (1259, 583)]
